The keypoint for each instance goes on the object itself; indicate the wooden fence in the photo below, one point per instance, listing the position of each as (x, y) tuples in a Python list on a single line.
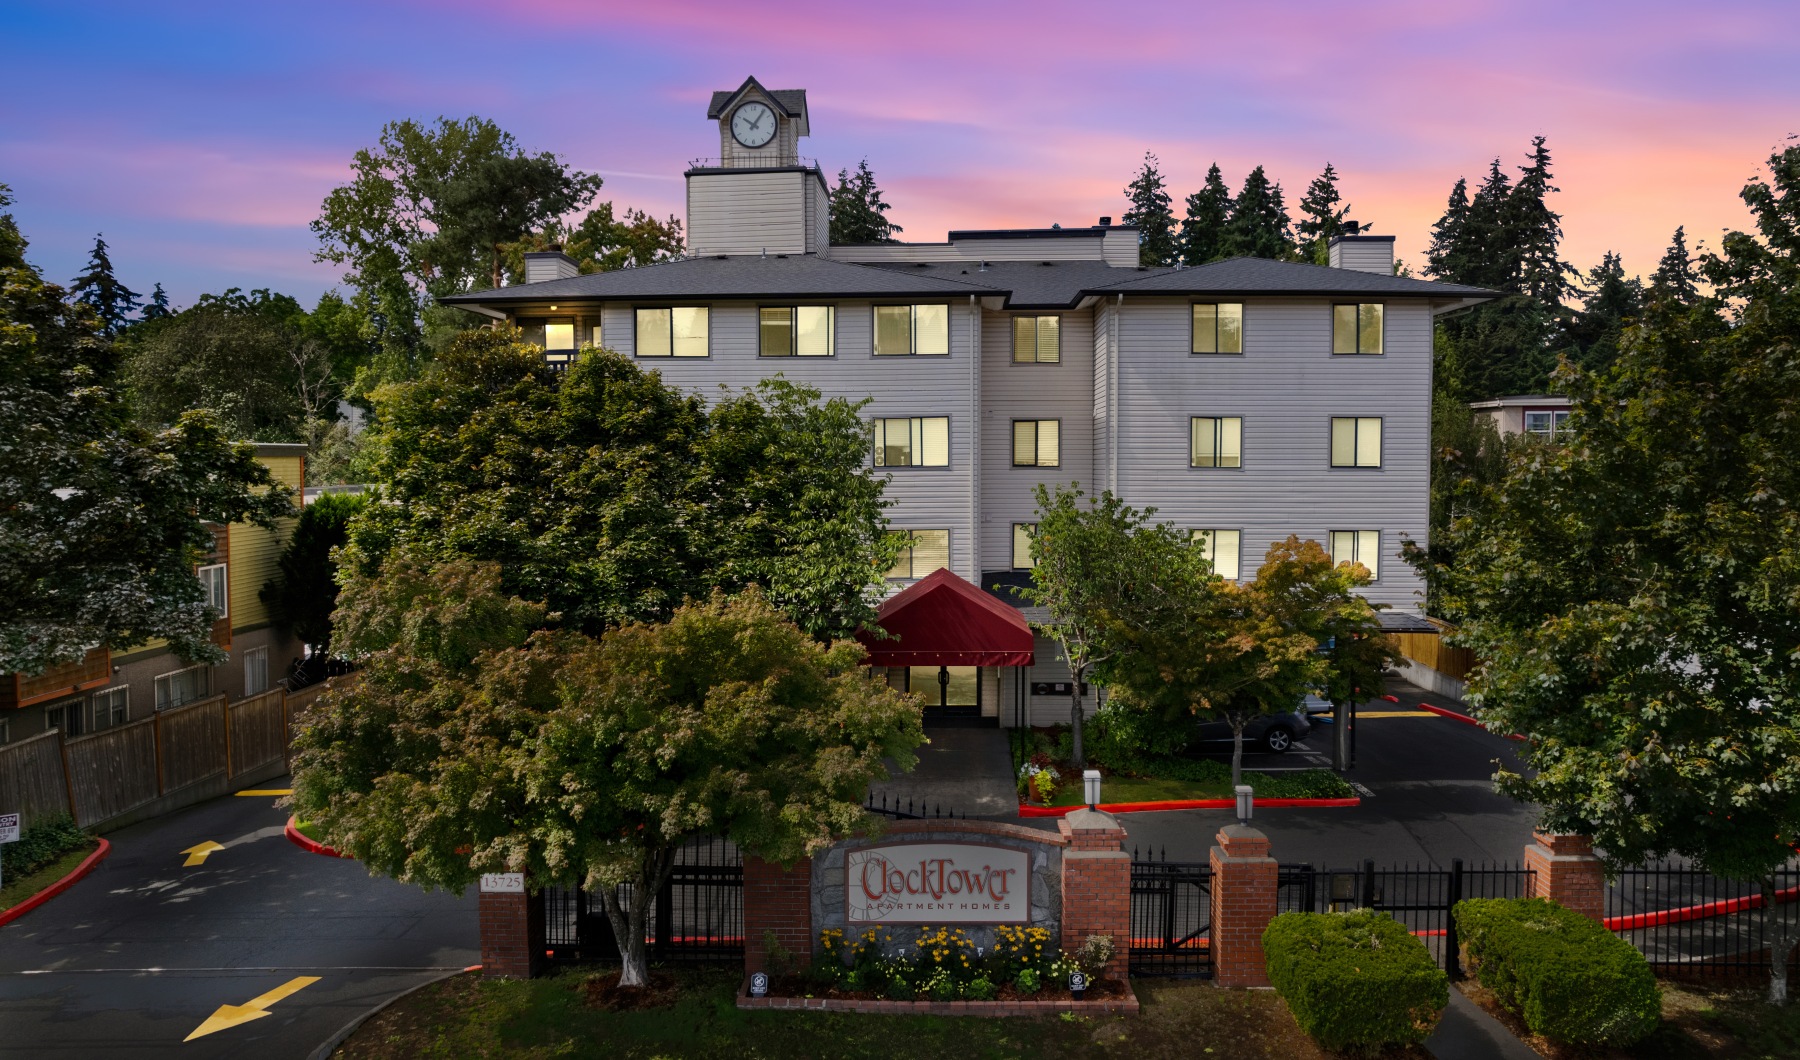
[(1429, 649), (105, 775)]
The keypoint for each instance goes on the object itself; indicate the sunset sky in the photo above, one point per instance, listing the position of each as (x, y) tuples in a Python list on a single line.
[(201, 137)]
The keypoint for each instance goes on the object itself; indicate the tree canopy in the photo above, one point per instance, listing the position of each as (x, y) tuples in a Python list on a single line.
[(1259, 225), (105, 517), (858, 212), (1150, 211), (1635, 598), (602, 242), (303, 594), (1203, 228)]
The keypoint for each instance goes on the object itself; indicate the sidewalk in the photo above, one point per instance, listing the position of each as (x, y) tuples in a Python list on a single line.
[(1467, 1033)]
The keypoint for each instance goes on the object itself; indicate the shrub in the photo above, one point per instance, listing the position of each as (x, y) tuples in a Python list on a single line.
[(1356, 982), (1028, 981), (982, 989), (1095, 952), (46, 840), (1567, 976)]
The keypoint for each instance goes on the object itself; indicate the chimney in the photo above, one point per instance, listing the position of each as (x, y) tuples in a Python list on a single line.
[(1363, 253), (552, 264), (1105, 222)]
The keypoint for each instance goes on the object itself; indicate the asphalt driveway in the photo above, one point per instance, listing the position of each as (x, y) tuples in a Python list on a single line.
[(138, 955)]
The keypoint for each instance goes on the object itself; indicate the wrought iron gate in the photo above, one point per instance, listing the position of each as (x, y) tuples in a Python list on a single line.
[(697, 918), (1171, 918)]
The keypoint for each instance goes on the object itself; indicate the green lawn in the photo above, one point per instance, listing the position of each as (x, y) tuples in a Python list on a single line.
[(24, 887), (1146, 789)]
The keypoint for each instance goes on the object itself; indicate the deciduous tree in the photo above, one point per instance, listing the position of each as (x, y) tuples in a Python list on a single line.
[(603, 242)]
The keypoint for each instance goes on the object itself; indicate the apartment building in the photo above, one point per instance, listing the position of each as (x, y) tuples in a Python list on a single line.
[(1245, 400)]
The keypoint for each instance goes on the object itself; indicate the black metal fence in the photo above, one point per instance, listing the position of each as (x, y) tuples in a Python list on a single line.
[(1416, 896), (697, 918), (1171, 917), (1685, 920), (911, 810)]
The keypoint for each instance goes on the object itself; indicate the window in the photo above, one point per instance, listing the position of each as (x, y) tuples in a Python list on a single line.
[(923, 330), (1221, 549), (1218, 328), (599, 336), (1037, 443), (1023, 558), (182, 686), (680, 331), (256, 671), (213, 584), (1355, 441), (1217, 441), (921, 441), (5, 730), (1356, 328), (559, 336), (796, 331), (111, 707), (1547, 423), (1357, 546), (66, 716), (1037, 340), (925, 551)]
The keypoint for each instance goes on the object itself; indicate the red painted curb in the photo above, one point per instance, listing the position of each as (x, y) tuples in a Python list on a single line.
[(1463, 718), (1697, 912), (296, 837), (1183, 804), (86, 866), (1391, 699)]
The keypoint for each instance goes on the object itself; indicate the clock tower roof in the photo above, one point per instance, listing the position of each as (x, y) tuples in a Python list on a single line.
[(791, 102)]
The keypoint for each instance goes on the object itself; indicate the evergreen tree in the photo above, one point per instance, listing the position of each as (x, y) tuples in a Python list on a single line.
[(158, 306), (12, 243), (1536, 232), (1487, 254), (1609, 302), (1674, 278), (1445, 259), (1208, 212), (100, 290), (1322, 219), (858, 214), (1150, 211), (1260, 224)]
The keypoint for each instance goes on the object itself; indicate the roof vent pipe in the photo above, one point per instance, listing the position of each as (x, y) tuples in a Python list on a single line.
[(1105, 222)]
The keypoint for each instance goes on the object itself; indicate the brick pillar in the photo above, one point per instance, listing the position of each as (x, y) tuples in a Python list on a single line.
[(1096, 885), (1566, 870), (512, 935), (1243, 903), (778, 900)]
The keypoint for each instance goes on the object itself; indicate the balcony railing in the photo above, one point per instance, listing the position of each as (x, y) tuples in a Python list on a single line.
[(720, 163), (22, 690)]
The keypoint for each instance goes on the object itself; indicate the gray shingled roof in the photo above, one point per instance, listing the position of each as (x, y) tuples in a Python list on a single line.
[(735, 277), (1032, 284), (1262, 276), (792, 100)]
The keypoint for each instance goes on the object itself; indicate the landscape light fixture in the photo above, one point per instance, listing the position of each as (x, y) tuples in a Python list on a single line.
[(1090, 786), (1245, 803)]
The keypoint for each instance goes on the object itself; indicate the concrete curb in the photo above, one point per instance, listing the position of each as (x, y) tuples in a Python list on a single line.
[(299, 839), (1186, 804), (86, 866), (343, 1035)]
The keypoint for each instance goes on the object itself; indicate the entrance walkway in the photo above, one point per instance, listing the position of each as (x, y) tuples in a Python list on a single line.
[(965, 770)]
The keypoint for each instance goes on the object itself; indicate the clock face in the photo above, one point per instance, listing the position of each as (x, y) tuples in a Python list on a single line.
[(753, 124)]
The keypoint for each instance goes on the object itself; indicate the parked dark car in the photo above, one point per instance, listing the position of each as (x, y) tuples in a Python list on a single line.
[(1274, 733)]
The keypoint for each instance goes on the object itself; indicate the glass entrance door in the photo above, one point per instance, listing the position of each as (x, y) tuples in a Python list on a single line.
[(949, 691)]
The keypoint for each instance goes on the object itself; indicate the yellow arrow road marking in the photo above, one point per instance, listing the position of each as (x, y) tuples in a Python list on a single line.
[(198, 852), (252, 792), (256, 1008)]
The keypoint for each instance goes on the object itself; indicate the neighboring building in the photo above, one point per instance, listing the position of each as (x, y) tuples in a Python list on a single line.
[(1542, 415), (1245, 400), (111, 687)]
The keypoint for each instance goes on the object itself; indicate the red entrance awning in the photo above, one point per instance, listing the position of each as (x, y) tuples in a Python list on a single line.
[(942, 620)]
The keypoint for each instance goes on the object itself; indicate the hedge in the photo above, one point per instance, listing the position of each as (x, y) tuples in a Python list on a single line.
[(1356, 982), (40, 845), (1565, 974)]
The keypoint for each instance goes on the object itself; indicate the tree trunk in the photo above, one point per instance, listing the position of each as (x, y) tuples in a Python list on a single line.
[(1781, 943), (1077, 758), (496, 263), (1237, 756), (630, 917)]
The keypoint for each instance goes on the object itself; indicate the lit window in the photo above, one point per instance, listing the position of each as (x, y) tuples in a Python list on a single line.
[(1355, 441), (1357, 546), (1037, 443), (182, 686), (680, 331), (1037, 340), (925, 551), (1022, 556), (922, 330), (599, 336), (918, 441), (1218, 328), (559, 336), (1221, 549), (1547, 423), (111, 707), (256, 671), (1217, 441), (1356, 328), (796, 331), (213, 584)]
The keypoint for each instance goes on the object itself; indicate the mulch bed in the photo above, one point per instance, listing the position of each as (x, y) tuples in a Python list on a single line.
[(603, 991), (797, 986)]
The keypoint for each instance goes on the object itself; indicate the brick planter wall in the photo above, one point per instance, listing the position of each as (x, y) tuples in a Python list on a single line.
[(1243, 903), (777, 900), (1096, 885), (512, 935), (1127, 1005), (1566, 870)]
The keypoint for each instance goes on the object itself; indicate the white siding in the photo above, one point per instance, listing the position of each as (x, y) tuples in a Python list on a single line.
[(1286, 386), (1105, 314), (747, 213), (1121, 248), (818, 216), (1373, 256), (1079, 245)]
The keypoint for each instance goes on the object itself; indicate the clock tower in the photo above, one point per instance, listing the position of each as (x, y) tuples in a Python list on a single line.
[(759, 196)]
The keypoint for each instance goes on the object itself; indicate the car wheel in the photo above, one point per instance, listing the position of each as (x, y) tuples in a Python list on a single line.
[(1277, 740)]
